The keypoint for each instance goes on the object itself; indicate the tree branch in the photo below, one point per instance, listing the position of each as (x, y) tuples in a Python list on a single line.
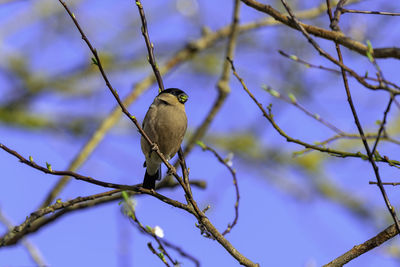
[(342, 154), (33, 251), (197, 212), (235, 183), (37, 219), (368, 245), (361, 131), (150, 46), (344, 10), (325, 34), (184, 54)]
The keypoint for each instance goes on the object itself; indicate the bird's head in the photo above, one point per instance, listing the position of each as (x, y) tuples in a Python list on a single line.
[(180, 95)]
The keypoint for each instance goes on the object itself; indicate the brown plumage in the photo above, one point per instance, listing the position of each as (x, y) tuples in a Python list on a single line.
[(165, 124)]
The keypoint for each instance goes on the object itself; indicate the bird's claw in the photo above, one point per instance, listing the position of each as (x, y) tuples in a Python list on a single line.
[(154, 147)]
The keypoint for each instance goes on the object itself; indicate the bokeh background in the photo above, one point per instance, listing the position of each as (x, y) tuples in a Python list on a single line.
[(301, 209)]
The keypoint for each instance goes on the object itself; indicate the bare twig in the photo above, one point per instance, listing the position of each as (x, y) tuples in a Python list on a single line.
[(203, 220), (37, 220), (222, 84), (331, 35), (368, 245), (162, 243), (150, 46), (223, 91), (181, 252), (33, 222), (268, 115), (95, 139), (129, 210), (211, 37), (77, 176), (335, 20), (323, 33), (235, 183), (160, 256), (397, 103), (340, 134), (202, 129), (33, 251), (184, 54), (344, 10), (310, 65), (292, 100), (363, 138), (185, 171), (301, 27), (383, 183), (382, 124), (152, 61), (369, 153), (96, 60), (349, 136)]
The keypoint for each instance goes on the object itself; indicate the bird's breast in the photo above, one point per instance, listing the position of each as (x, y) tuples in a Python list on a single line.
[(167, 127)]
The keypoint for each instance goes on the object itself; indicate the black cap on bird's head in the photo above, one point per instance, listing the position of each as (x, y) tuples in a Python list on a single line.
[(181, 95)]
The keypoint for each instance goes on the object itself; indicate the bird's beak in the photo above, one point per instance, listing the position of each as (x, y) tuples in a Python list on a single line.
[(183, 98)]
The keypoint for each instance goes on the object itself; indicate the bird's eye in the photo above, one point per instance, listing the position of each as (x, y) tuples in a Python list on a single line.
[(182, 98)]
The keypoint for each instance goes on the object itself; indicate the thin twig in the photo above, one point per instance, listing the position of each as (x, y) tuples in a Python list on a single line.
[(30, 224), (323, 33), (331, 35), (75, 175), (150, 46), (235, 183), (210, 38), (363, 138), (381, 79), (185, 172), (223, 83), (325, 54), (203, 220), (96, 60), (160, 241), (310, 65), (344, 10), (151, 248), (223, 91), (329, 10), (385, 183), (397, 103), (38, 219), (269, 116), (340, 134), (152, 61), (292, 100), (382, 124), (129, 210), (182, 252), (348, 136), (33, 251), (368, 245), (335, 19)]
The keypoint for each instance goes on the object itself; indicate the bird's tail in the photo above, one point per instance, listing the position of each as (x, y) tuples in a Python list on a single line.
[(149, 181)]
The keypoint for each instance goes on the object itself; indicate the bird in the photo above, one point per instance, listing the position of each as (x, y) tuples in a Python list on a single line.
[(165, 124)]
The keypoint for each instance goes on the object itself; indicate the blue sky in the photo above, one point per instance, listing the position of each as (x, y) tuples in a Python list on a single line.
[(275, 227)]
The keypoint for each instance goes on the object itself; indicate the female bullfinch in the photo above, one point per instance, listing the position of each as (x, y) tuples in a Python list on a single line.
[(165, 124)]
